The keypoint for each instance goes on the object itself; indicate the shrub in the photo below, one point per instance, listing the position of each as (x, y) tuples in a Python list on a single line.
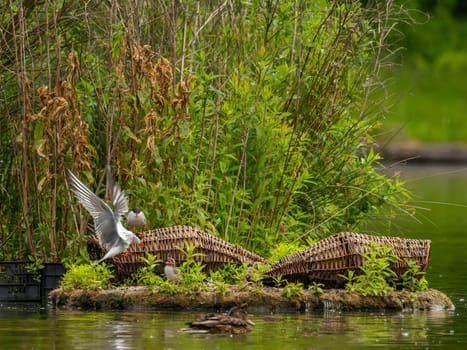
[(87, 276), (316, 288), (376, 277), (413, 279), (146, 276), (292, 289), (283, 249), (230, 274)]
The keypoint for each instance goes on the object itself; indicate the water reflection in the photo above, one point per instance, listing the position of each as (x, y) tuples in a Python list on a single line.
[(366, 330), (61, 329)]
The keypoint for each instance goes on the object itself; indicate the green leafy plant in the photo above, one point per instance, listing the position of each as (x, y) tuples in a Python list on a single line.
[(168, 287), (282, 249), (193, 276), (231, 274), (376, 277), (79, 258), (151, 261), (146, 276), (221, 287), (256, 275), (351, 279), (292, 289), (316, 288), (413, 279), (192, 271), (87, 276), (278, 281), (35, 267)]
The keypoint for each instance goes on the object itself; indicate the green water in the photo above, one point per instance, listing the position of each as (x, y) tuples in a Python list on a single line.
[(440, 192), (157, 330), (445, 225)]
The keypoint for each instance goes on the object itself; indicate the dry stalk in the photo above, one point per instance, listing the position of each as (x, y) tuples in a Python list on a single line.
[(24, 89)]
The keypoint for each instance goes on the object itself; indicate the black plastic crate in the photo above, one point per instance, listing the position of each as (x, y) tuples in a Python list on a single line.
[(52, 274), (17, 284), (31, 292)]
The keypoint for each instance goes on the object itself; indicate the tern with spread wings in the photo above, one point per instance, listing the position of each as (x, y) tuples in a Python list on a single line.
[(109, 230)]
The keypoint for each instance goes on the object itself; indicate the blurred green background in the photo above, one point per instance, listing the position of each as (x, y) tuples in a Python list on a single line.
[(428, 86)]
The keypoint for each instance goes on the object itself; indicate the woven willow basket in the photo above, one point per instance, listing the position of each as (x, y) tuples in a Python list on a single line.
[(324, 261), (170, 241)]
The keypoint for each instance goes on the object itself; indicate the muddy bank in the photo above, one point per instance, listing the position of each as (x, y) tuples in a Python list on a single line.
[(418, 152), (264, 300)]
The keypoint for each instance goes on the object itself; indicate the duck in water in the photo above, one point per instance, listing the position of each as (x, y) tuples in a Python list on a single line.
[(234, 322)]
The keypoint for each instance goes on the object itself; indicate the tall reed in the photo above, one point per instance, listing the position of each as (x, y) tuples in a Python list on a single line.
[(250, 120)]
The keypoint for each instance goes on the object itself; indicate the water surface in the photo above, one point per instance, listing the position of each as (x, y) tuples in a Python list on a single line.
[(20, 329)]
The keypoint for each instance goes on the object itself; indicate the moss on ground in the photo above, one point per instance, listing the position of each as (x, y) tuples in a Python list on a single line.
[(260, 300)]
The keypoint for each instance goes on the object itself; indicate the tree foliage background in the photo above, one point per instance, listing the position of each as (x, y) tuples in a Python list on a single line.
[(248, 119), (428, 89)]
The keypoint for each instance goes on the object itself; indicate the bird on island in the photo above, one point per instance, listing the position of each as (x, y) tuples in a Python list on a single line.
[(109, 230), (234, 322), (136, 218), (171, 270)]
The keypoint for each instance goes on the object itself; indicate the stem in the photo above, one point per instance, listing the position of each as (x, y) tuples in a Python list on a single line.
[(23, 101)]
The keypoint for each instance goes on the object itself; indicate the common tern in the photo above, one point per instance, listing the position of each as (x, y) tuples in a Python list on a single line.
[(109, 230), (136, 218)]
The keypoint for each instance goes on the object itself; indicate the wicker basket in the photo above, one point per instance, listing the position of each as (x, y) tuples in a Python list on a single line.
[(324, 261), (169, 241)]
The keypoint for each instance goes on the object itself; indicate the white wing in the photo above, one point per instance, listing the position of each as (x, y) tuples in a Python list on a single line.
[(105, 220)]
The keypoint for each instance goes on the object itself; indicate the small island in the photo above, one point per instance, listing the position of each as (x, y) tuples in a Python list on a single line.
[(346, 271), (265, 300)]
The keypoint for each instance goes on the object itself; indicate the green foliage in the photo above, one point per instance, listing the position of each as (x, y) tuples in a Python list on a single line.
[(191, 270), (169, 287), (35, 267), (293, 289), (256, 275), (283, 249), (376, 277), (88, 276), (317, 288), (146, 276), (221, 287), (278, 281), (193, 276), (250, 121), (151, 261), (413, 279), (79, 258), (428, 88), (230, 274)]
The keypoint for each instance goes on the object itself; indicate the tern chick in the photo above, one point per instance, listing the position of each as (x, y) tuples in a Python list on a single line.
[(171, 270)]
